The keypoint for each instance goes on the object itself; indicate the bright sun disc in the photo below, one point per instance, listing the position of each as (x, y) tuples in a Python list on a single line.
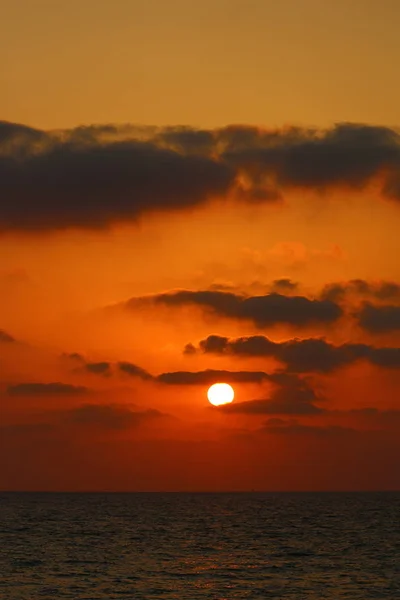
[(220, 393)]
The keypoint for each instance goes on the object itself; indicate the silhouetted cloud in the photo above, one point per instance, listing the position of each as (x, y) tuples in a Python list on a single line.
[(379, 319), (98, 368), (106, 174), (300, 356), (210, 376), (347, 154), (293, 396), (384, 357), (284, 285), (98, 182), (264, 310), (41, 389), (111, 416), (107, 368), (6, 337), (381, 290), (134, 371)]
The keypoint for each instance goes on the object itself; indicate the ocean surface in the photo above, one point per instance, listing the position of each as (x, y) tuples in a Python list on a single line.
[(200, 546)]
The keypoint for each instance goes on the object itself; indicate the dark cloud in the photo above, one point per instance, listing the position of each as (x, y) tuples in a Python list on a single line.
[(19, 141), (91, 177), (299, 356), (107, 368), (255, 345), (292, 397), (98, 368), (284, 285), (264, 310), (189, 349), (381, 290), (348, 154), (111, 416), (385, 357), (134, 371), (41, 389), (6, 337), (211, 376), (78, 181), (271, 407), (379, 319)]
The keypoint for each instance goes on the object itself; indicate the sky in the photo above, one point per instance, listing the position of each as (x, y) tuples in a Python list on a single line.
[(193, 193)]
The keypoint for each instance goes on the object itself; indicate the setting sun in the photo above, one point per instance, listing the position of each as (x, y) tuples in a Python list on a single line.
[(220, 393)]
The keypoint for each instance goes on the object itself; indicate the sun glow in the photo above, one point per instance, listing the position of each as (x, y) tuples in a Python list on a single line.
[(220, 393)]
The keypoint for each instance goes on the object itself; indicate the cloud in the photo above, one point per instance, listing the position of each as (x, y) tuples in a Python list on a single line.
[(347, 154), (210, 376), (134, 371), (299, 355), (379, 319), (269, 309), (98, 182), (98, 368), (50, 389), (6, 337), (293, 397), (107, 368), (385, 357), (380, 290), (110, 416), (102, 175), (284, 285)]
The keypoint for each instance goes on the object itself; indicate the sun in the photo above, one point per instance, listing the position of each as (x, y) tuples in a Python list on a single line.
[(220, 393)]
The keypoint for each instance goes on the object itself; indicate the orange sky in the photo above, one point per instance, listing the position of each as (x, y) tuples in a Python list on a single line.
[(121, 244)]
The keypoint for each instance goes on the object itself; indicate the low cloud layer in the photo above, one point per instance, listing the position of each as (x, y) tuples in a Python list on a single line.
[(211, 376), (377, 291), (270, 309), (48, 389), (107, 368), (299, 356), (110, 416), (92, 177), (291, 396), (380, 319), (56, 181)]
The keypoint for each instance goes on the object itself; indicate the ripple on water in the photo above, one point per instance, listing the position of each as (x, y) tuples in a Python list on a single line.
[(199, 546)]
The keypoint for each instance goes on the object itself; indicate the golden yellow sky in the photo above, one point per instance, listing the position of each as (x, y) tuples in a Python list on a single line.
[(203, 63)]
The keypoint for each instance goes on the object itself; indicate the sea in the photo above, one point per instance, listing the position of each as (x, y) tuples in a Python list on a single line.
[(192, 546)]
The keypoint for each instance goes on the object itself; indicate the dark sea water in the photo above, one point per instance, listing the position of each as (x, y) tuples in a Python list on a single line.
[(199, 546)]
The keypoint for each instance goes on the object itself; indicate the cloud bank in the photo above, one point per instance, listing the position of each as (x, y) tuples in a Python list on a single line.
[(299, 355), (270, 309), (93, 177)]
